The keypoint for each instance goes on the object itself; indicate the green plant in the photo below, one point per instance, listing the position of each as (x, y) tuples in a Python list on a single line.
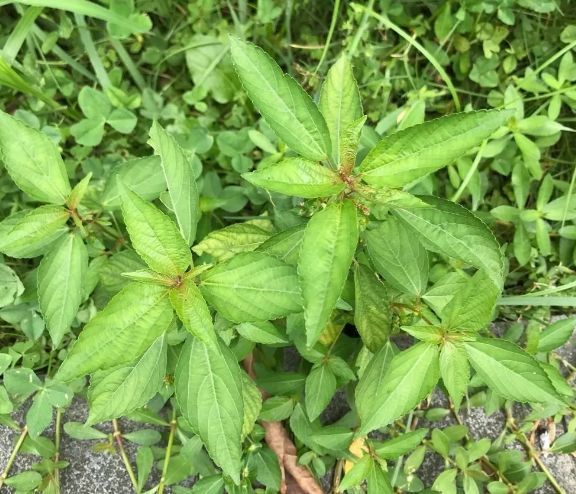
[(359, 253), (293, 299)]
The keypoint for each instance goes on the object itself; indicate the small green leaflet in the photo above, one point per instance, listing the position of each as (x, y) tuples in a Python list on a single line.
[(396, 447), (29, 233), (121, 332), (252, 287), (208, 387), (405, 156), (263, 332), (121, 391), (142, 174), (398, 256), (340, 102), (192, 310), (33, 161), (472, 307), (252, 404), (287, 108), (320, 387), (510, 371), (285, 245), (412, 374), (154, 236), (179, 179), (78, 192), (297, 177), (326, 253), (447, 228), (60, 277), (555, 335), (455, 371), (372, 380), (225, 243), (371, 311)]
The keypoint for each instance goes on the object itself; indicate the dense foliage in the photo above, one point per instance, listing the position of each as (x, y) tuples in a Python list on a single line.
[(217, 219)]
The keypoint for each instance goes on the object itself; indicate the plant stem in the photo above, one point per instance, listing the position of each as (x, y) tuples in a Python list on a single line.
[(337, 476), (57, 442), (335, 10), (91, 51), (17, 447), (173, 424), (118, 438), (401, 459), (470, 173)]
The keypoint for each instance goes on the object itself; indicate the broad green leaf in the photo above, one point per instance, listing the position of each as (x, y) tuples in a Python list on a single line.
[(225, 243), (252, 287), (340, 102), (410, 378), (6, 405), (555, 335), (277, 408), (285, 245), (60, 277), (149, 276), (121, 332), (252, 399), (121, 391), (425, 332), (122, 120), (112, 278), (297, 177), (142, 174), (78, 192), (144, 465), (445, 289), (356, 474), (265, 461), (179, 179), (405, 156), (33, 161), (39, 415), (349, 143), (447, 228), (262, 332), (320, 387), (154, 236), (398, 256), (510, 371), (192, 310), (378, 480), (398, 446), (287, 108), (10, 289), (208, 386), (566, 443), (326, 253), (372, 380), (21, 382), (88, 131), (29, 233), (25, 481), (455, 371), (93, 103), (472, 307), (446, 482), (371, 311)]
